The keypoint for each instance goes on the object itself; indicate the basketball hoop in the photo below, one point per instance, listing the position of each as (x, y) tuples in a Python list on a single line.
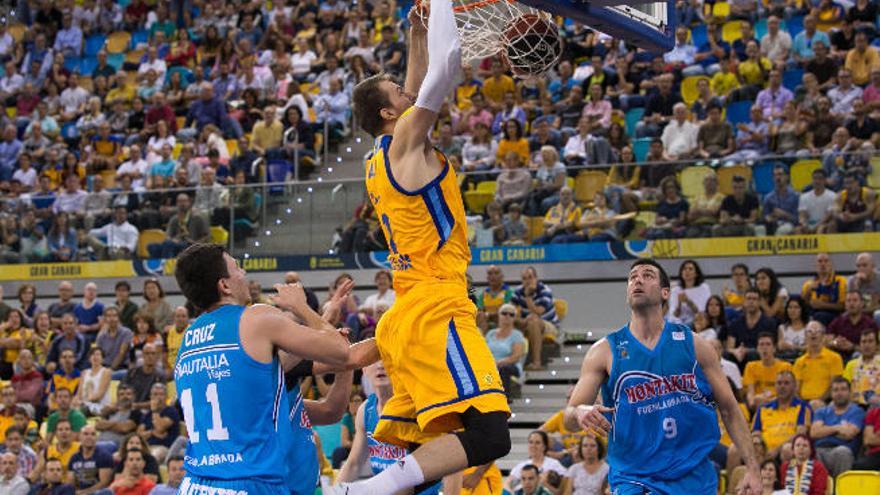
[(526, 37)]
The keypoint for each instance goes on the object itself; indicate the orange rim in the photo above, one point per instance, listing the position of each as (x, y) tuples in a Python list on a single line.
[(475, 5)]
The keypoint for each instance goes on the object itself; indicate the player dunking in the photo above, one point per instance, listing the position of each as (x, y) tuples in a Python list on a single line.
[(442, 372), (230, 380), (662, 385)]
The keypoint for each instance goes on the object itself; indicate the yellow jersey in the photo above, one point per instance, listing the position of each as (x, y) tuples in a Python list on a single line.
[(426, 229)]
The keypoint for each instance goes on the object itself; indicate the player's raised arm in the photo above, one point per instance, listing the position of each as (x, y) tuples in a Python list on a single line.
[(444, 63), (731, 414), (581, 412), (274, 329), (359, 452), (417, 58)]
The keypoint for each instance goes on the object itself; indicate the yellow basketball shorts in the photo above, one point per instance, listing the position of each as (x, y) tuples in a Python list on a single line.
[(438, 362)]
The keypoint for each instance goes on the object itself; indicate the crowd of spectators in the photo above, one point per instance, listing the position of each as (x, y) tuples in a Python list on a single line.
[(802, 360)]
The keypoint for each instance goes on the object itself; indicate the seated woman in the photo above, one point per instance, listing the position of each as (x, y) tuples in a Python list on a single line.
[(589, 476), (508, 346), (671, 212), (539, 444), (792, 331), (804, 474)]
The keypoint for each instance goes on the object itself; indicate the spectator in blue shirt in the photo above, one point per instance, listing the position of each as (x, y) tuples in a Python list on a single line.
[(209, 110), (712, 52), (752, 138), (89, 312), (249, 31), (10, 148), (781, 204), (682, 55), (175, 476), (69, 39), (837, 429), (537, 314), (802, 46), (561, 85)]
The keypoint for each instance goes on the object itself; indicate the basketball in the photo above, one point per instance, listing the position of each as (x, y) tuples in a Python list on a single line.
[(532, 45)]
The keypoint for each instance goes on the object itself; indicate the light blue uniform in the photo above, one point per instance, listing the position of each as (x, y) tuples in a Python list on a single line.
[(303, 457), (664, 424), (235, 410), (383, 455)]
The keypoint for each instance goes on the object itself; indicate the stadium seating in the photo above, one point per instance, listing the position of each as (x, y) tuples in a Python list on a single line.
[(763, 176), (689, 89), (691, 181), (738, 112), (587, 184), (477, 200), (858, 483), (802, 173), (726, 175)]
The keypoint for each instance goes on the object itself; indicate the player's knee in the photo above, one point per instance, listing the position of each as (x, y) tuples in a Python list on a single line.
[(486, 436)]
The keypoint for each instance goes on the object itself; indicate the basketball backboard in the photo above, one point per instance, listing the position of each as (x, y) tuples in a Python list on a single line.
[(648, 25)]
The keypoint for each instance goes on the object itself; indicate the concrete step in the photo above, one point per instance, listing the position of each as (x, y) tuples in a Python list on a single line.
[(526, 403), (545, 390), (552, 374), (531, 417)]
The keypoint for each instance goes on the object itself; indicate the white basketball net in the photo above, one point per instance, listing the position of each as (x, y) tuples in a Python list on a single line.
[(482, 25)]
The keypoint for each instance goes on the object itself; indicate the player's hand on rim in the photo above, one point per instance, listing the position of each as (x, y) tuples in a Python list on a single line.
[(418, 16), (593, 417)]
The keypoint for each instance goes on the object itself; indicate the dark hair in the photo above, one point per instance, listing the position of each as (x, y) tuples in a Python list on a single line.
[(158, 285), (174, 458), (199, 268), (775, 286), (94, 350), (805, 309), (13, 429), (544, 438), (739, 178), (697, 281), (147, 318), (664, 278), (753, 289), (368, 100), (531, 467), (776, 483), (769, 335), (721, 322), (809, 441), (840, 379), (24, 287), (519, 129), (64, 420), (868, 331), (385, 273), (599, 447), (820, 171), (740, 265)]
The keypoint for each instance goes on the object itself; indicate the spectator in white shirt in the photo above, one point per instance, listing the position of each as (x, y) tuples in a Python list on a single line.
[(7, 42), (776, 44), (575, 151), (73, 99), (814, 206), (117, 240), (385, 292), (73, 200), (680, 135), (10, 84), (69, 40), (25, 174), (11, 483), (135, 167), (844, 94), (153, 62)]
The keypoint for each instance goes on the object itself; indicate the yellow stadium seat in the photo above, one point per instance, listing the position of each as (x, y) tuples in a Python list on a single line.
[(134, 56), (561, 306), (85, 81), (721, 10), (219, 235), (171, 392), (646, 218), (175, 152), (113, 389), (569, 182), (858, 483), (874, 177), (726, 175), (147, 237), (163, 473), (536, 227), (689, 89), (17, 31), (692, 181), (731, 31), (117, 42), (489, 186), (477, 200), (181, 121), (735, 477), (11, 112), (587, 184), (802, 173), (109, 177), (232, 147)]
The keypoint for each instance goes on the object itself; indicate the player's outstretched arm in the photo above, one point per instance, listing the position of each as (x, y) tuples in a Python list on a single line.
[(360, 355), (581, 412), (417, 59), (731, 415), (331, 408), (444, 64), (358, 454), (265, 328)]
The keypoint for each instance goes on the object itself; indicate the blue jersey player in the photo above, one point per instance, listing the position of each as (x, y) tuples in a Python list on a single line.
[(364, 447), (230, 380), (660, 387)]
